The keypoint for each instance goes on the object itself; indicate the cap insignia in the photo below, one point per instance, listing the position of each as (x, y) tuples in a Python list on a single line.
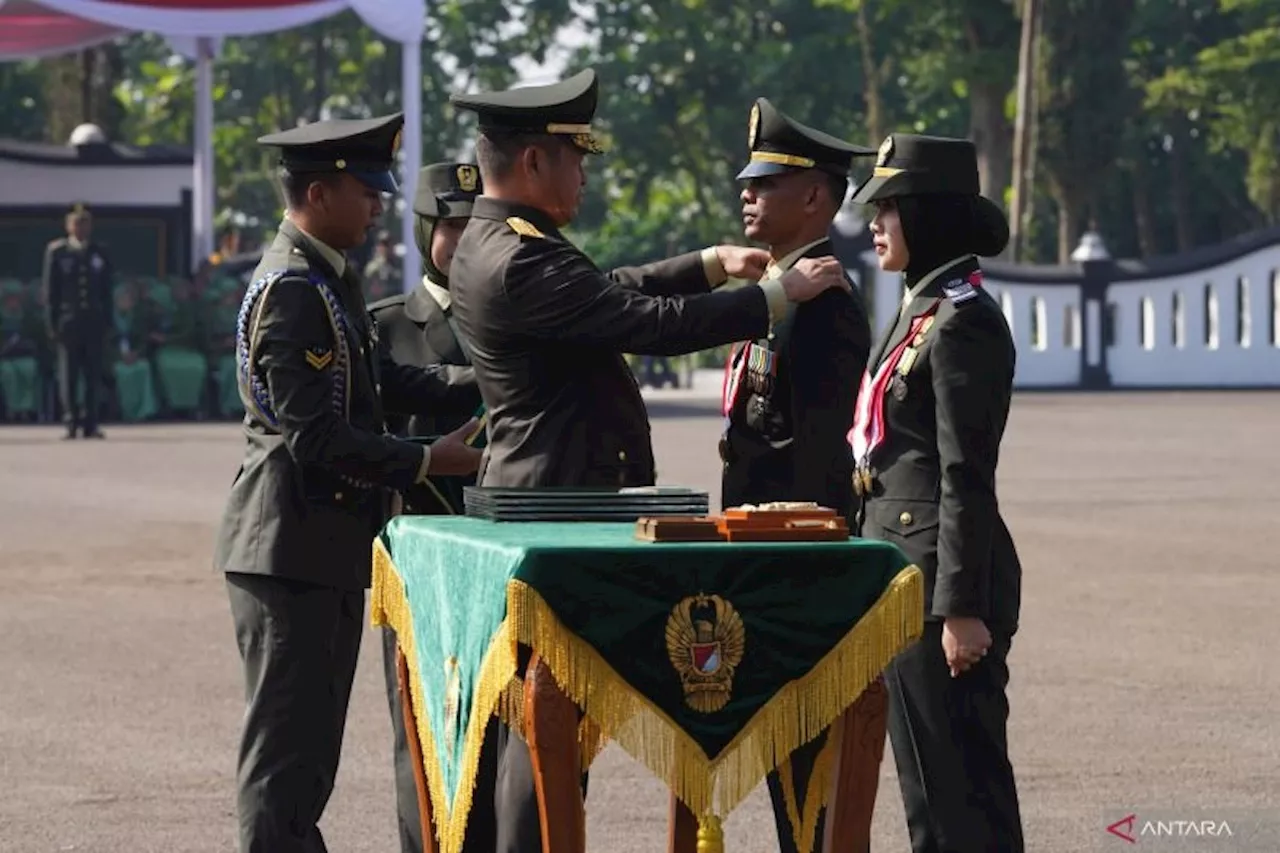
[(753, 126), (467, 178)]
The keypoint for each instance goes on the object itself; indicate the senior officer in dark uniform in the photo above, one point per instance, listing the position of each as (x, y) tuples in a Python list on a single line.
[(547, 328), (418, 329), (312, 490), (79, 303), (789, 395), (931, 412)]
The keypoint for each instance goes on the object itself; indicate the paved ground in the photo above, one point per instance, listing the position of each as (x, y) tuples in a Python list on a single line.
[(1142, 680)]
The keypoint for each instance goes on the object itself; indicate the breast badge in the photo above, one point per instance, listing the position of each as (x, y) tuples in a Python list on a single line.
[(705, 642)]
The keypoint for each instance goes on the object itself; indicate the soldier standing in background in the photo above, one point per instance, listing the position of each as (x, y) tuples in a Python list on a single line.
[(78, 282)]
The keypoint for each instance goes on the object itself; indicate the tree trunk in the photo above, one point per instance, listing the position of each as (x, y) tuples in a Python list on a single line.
[(1143, 215), (1178, 174), (871, 74), (1069, 211), (993, 137)]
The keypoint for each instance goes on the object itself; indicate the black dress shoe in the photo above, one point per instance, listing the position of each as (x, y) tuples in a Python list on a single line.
[(94, 433), (70, 433)]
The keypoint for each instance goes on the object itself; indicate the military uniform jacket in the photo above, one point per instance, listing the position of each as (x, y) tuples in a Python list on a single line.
[(546, 330), (786, 438), (311, 492), (934, 475), (415, 330), (77, 285)]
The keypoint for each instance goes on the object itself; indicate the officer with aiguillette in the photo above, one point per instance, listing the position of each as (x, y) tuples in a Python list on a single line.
[(314, 486)]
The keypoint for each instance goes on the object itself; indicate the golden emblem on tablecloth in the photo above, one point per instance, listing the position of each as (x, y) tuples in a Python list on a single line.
[(705, 641)]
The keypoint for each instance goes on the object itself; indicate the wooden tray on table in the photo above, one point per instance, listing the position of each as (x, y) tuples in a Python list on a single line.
[(783, 522), (678, 528)]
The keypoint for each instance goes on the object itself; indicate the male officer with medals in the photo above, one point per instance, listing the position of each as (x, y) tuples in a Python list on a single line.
[(312, 489), (931, 413), (417, 328), (789, 396), (79, 304), (547, 329)]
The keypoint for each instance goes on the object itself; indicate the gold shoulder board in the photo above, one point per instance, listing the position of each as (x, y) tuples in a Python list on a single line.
[(524, 227)]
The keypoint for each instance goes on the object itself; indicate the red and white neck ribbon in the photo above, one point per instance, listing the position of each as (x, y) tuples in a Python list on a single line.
[(734, 367), (868, 420)]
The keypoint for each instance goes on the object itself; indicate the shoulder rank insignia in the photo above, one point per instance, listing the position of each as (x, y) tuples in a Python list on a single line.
[(705, 642), (963, 289), (319, 358), (524, 227)]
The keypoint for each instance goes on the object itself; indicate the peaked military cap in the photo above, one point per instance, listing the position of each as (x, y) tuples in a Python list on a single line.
[(911, 164), (447, 190), (563, 109), (779, 143), (364, 148), (79, 209)]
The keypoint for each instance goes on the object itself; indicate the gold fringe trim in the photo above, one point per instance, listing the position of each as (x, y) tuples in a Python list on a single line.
[(796, 714), (389, 606)]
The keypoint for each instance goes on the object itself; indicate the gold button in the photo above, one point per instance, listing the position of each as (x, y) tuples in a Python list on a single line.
[(622, 456), (337, 496), (905, 518), (377, 388)]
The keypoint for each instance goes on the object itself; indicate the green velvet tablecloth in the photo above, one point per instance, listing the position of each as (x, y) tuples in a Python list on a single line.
[(708, 662)]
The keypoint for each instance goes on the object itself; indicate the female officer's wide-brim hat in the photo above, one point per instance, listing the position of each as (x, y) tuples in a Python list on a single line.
[(916, 165), (447, 190)]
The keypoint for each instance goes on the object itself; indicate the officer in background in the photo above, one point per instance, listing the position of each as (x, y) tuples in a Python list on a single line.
[(932, 409), (417, 328), (547, 330), (789, 395), (79, 299), (312, 490)]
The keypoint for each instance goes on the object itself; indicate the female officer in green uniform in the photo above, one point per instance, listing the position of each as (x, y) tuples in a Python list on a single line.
[(930, 414)]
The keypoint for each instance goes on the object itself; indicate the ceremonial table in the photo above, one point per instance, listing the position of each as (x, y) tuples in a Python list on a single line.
[(708, 662)]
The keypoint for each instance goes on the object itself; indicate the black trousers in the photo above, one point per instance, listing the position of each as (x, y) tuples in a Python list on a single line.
[(299, 644), (481, 830), (80, 360), (951, 750)]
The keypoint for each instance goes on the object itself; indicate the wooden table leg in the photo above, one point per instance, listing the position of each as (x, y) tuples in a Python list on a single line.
[(415, 752), (551, 731), (859, 736), (682, 828)]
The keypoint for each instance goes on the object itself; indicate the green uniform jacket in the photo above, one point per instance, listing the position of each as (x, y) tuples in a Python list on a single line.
[(312, 492), (788, 433), (78, 293), (934, 494), (547, 330)]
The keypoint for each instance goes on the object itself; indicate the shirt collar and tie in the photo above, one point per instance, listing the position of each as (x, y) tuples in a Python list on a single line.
[(778, 268), (335, 259), (440, 294)]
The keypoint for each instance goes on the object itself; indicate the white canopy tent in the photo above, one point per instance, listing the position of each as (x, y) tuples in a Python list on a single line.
[(39, 28)]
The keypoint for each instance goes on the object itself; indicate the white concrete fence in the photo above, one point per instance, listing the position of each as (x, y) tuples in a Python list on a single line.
[(1205, 319)]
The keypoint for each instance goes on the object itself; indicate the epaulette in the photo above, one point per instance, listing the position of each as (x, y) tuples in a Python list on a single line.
[(963, 289), (524, 227)]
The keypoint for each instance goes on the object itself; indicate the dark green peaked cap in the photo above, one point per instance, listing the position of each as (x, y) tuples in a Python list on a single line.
[(565, 109), (447, 190), (365, 148), (911, 164), (779, 143)]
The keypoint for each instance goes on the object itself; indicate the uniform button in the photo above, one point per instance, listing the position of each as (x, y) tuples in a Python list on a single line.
[(377, 388), (622, 456), (905, 519), (337, 496)]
